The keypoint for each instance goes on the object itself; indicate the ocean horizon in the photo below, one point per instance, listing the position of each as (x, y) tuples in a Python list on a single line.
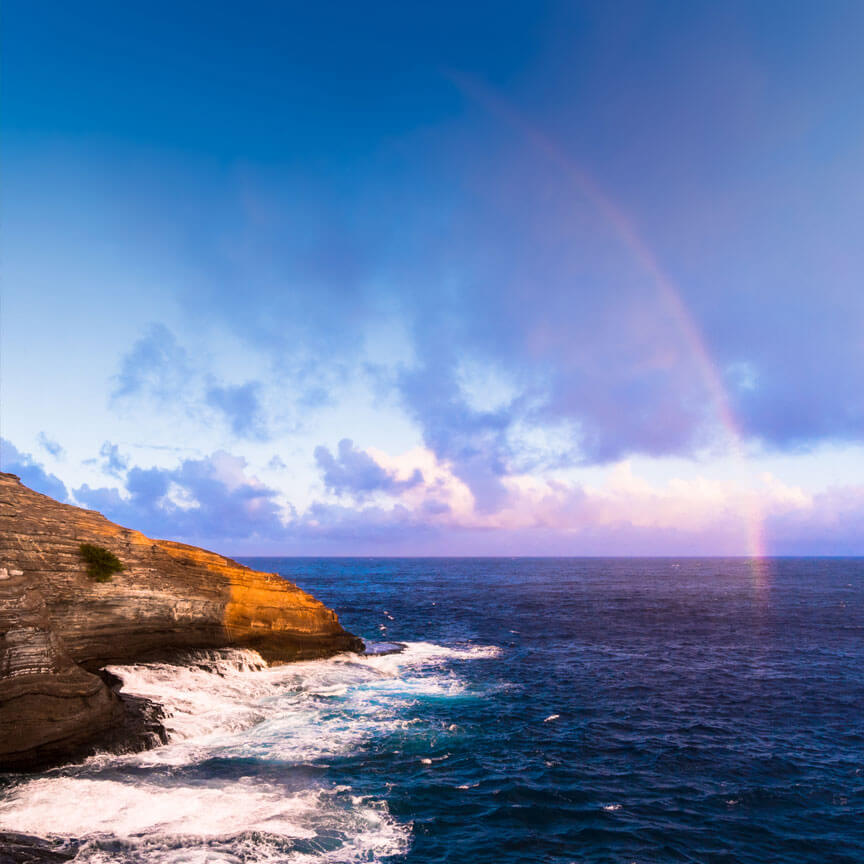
[(541, 710)]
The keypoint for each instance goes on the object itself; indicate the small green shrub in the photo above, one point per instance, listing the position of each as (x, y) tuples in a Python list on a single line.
[(100, 562)]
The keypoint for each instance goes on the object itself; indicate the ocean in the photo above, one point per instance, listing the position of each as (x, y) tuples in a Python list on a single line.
[(543, 710)]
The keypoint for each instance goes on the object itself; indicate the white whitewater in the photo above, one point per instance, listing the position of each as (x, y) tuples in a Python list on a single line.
[(227, 708)]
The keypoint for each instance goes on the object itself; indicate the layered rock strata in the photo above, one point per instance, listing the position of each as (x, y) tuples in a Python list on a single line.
[(58, 626)]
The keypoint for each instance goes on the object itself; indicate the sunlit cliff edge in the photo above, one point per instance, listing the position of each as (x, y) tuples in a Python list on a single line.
[(58, 626)]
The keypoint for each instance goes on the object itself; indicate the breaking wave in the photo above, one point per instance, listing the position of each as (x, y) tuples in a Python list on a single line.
[(243, 777)]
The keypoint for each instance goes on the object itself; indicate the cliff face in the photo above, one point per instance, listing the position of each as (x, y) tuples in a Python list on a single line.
[(58, 626)]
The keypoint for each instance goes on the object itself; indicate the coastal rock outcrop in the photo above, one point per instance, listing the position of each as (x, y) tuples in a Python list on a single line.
[(58, 626)]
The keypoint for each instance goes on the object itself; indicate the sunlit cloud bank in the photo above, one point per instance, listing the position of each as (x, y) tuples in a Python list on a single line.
[(377, 504)]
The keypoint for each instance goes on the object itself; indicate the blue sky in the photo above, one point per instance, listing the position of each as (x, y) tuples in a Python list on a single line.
[(578, 278)]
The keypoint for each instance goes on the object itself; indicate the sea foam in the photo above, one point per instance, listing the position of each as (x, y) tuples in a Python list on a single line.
[(228, 708)]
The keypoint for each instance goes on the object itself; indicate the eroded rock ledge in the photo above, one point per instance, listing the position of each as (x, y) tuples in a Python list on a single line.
[(58, 627)]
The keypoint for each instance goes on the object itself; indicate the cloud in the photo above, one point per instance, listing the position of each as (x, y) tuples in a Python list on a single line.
[(112, 461), (827, 524), (159, 368), (376, 530), (354, 472), (624, 515), (559, 311), (611, 313), (241, 407), (210, 499), (216, 502), (51, 447), (474, 442), (32, 473), (156, 366)]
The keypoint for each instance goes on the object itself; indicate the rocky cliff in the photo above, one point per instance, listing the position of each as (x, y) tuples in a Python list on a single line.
[(58, 626)]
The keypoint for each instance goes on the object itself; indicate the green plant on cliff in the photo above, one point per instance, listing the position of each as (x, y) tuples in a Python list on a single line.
[(101, 563)]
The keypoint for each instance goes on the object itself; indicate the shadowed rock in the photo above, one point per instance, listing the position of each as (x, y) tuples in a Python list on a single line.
[(24, 849), (58, 626)]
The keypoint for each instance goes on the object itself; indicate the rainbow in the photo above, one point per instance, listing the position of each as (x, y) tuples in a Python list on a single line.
[(668, 293)]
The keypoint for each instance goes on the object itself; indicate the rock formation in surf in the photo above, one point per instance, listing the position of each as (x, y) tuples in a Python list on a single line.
[(59, 626)]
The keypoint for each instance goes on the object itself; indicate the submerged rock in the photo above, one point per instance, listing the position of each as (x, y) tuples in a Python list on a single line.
[(59, 626)]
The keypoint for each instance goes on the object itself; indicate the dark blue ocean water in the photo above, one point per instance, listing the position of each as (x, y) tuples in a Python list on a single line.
[(706, 710), (544, 711)]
